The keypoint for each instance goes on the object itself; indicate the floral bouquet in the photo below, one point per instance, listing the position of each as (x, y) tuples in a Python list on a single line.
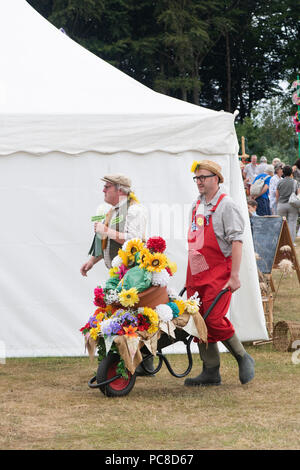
[(136, 305)]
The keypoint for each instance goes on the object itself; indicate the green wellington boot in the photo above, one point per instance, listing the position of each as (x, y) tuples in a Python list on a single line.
[(140, 372), (244, 360), (210, 374)]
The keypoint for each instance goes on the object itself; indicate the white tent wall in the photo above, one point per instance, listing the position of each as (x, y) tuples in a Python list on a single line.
[(66, 119), (46, 203)]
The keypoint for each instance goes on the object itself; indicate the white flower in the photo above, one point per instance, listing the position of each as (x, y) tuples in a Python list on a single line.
[(164, 312), (195, 297), (160, 279), (116, 262), (112, 297), (172, 293)]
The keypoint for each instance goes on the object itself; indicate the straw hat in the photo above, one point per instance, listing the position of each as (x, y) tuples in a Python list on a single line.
[(208, 165)]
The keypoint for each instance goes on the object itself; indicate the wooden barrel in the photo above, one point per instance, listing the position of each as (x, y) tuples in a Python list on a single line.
[(284, 335)]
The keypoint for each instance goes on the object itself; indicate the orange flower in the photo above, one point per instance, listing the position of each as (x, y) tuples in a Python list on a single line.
[(130, 331)]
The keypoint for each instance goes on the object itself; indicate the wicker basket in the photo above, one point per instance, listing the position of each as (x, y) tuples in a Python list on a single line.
[(284, 334)]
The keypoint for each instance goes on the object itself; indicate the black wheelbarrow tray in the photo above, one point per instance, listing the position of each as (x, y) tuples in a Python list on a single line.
[(112, 384)]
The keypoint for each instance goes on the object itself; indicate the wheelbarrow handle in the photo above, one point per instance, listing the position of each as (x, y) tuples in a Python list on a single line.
[(215, 301)]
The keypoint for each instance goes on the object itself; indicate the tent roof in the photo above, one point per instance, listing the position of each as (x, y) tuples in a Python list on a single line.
[(49, 82)]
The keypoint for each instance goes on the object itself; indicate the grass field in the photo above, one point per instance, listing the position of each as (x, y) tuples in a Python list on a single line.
[(46, 403)]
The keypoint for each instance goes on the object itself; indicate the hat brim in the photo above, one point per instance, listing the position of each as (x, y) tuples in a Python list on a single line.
[(206, 166)]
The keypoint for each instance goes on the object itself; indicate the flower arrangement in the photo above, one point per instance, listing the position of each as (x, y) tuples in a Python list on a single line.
[(137, 267)]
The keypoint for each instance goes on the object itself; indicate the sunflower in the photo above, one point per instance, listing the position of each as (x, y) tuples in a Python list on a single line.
[(153, 319), (124, 257), (157, 262), (180, 304), (133, 246), (144, 260), (128, 298)]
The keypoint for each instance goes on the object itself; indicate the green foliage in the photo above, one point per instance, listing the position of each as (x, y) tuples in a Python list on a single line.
[(223, 54), (269, 131)]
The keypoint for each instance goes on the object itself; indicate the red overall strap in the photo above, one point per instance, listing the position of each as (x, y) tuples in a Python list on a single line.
[(218, 202)]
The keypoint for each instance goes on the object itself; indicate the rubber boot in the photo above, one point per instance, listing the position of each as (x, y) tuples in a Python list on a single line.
[(140, 372), (210, 374), (244, 360)]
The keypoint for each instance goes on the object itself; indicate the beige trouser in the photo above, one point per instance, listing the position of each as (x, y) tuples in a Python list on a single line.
[(291, 213)]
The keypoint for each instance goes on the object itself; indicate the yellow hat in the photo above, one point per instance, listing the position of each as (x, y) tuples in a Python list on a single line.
[(208, 165)]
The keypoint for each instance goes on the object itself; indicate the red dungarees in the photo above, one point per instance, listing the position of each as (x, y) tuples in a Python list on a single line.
[(207, 273)]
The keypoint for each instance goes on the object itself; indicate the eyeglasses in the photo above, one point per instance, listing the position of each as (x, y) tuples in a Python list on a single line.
[(202, 178)]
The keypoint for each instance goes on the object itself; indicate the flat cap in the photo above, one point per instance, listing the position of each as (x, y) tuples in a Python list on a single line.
[(117, 179)]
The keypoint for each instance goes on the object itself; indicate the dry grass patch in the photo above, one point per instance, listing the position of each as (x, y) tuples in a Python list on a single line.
[(46, 403)]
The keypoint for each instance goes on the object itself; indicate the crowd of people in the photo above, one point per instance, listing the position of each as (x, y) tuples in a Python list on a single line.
[(268, 187)]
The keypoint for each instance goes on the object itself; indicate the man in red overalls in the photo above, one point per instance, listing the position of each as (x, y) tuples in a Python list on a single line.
[(215, 251)]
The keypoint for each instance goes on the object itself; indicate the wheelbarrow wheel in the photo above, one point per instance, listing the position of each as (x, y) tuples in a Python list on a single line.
[(107, 369)]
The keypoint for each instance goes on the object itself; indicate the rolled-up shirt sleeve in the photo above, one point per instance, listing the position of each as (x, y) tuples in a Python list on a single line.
[(233, 222), (136, 222)]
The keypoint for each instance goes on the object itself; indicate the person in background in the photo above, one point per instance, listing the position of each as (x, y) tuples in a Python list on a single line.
[(283, 192), (252, 206), (250, 172), (275, 161), (263, 204), (278, 170), (261, 168), (296, 170)]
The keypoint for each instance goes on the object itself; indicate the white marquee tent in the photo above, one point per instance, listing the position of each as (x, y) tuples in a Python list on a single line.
[(66, 119)]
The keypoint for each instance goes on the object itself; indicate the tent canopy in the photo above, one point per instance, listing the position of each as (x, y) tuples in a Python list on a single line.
[(66, 119), (56, 95)]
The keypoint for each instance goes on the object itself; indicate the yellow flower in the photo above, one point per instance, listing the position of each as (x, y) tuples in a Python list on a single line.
[(157, 262), (191, 306), (132, 197), (123, 256), (113, 272), (100, 316), (153, 319), (194, 166), (94, 332), (172, 266), (133, 246), (128, 298), (144, 258), (181, 305)]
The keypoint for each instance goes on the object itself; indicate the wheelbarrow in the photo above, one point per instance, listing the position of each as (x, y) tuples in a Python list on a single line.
[(112, 384)]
